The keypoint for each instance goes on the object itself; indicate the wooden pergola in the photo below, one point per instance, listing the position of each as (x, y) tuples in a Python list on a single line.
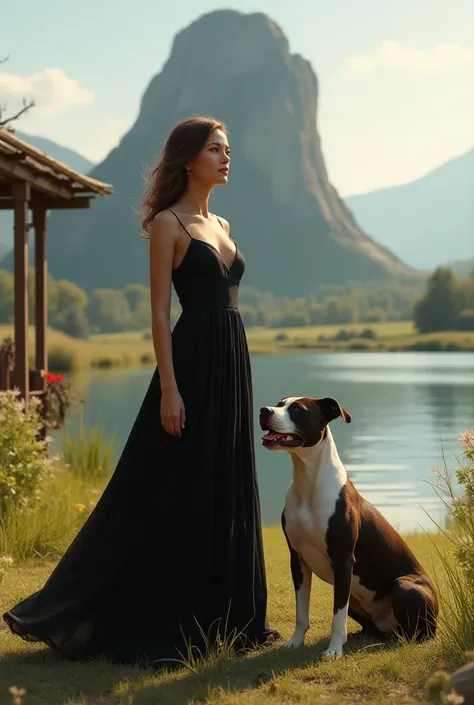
[(31, 180)]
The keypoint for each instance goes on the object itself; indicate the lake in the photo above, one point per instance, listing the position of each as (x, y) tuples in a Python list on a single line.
[(407, 409)]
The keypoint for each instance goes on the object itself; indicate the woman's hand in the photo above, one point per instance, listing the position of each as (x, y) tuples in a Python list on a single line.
[(173, 414)]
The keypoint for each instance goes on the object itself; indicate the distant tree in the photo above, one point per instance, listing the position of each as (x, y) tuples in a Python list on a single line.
[(76, 324), (137, 294), (138, 298), (249, 315), (295, 319), (440, 306), (375, 315), (466, 319), (341, 309), (27, 105), (67, 297), (140, 318), (108, 311)]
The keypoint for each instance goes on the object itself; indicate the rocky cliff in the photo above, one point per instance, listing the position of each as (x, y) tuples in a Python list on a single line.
[(288, 219)]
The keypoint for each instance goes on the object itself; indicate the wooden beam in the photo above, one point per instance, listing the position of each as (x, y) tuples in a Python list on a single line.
[(47, 184), (78, 203), (41, 283), (21, 193)]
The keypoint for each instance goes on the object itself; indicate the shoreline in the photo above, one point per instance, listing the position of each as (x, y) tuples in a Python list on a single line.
[(134, 349)]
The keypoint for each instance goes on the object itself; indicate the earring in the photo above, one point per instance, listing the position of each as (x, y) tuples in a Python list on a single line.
[(188, 169)]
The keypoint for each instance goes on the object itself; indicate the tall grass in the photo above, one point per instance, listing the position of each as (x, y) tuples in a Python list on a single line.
[(45, 528), (89, 453), (456, 490)]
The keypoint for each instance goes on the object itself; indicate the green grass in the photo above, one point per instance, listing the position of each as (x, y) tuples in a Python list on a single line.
[(371, 674), (88, 453), (395, 336), (69, 354), (130, 349), (45, 528)]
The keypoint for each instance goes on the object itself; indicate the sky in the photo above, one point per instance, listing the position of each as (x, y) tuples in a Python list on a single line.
[(396, 79)]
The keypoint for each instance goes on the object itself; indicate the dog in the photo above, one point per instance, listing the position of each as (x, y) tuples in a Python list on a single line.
[(333, 532)]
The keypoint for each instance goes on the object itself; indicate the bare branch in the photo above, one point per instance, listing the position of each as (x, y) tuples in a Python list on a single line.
[(26, 106), (24, 109)]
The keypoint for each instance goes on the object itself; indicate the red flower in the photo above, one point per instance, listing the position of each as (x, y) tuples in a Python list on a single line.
[(51, 379)]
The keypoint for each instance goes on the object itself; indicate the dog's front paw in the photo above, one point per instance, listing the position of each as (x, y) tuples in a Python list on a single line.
[(333, 651), (294, 643)]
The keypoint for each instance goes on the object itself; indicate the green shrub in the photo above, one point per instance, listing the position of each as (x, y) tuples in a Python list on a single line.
[(103, 363), (24, 459), (368, 334), (62, 360)]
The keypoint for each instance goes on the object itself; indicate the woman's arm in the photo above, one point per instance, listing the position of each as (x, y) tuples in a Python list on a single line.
[(163, 240)]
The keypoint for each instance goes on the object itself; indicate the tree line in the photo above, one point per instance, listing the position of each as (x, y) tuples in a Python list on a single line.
[(447, 304), (443, 302)]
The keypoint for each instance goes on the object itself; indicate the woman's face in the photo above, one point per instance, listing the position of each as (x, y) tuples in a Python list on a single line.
[(211, 165)]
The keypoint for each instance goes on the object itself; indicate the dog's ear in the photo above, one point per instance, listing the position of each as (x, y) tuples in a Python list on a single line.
[(332, 410)]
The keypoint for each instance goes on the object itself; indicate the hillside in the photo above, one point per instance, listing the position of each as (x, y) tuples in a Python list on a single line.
[(427, 222), (58, 151), (63, 154), (463, 268), (289, 221)]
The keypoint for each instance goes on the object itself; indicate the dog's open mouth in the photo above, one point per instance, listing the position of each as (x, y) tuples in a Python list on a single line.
[(281, 439)]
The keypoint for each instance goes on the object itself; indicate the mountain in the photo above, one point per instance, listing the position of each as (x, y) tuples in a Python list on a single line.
[(293, 228), (62, 154), (427, 222), (57, 151), (462, 269)]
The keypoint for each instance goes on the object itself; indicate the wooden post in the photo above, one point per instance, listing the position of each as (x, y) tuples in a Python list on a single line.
[(21, 196), (41, 290)]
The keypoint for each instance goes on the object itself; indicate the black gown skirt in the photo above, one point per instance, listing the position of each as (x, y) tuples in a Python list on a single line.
[(171, 558)]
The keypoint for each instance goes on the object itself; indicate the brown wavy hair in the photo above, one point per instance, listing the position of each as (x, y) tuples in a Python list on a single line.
[(167, 180)]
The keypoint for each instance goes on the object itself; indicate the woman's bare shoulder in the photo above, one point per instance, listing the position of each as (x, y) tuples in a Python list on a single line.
[(165, 224), (225, 223)]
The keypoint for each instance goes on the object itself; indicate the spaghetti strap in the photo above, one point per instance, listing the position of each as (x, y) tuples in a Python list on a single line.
[(229, 235), (181, 223)]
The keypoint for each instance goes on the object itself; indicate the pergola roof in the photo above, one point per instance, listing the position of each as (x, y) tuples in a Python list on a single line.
[(31, 180), (21, 161)]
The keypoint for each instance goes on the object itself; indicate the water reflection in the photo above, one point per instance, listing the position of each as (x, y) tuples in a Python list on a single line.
[(406, 407)]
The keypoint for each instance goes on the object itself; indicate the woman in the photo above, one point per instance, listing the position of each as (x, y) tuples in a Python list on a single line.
[(171, 558)]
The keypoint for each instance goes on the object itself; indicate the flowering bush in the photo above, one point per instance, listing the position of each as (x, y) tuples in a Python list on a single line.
[(24, 459)]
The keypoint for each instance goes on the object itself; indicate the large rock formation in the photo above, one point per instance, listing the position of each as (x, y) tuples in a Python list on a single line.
[(289, 221)]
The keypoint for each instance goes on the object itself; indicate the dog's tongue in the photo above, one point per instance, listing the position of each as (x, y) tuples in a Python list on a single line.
[(270, 436)]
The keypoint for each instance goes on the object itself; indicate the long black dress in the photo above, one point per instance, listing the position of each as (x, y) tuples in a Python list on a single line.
[(173, 549)]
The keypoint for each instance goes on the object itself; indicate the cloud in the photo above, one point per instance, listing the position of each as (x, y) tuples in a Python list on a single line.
[(442, 59), (51, 89)]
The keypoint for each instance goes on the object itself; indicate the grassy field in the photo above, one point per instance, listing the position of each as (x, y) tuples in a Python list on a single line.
[(117, 350), (132, 349), (370, 673)]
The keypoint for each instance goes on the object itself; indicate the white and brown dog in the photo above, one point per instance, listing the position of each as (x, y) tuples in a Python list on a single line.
[(333, 532)]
